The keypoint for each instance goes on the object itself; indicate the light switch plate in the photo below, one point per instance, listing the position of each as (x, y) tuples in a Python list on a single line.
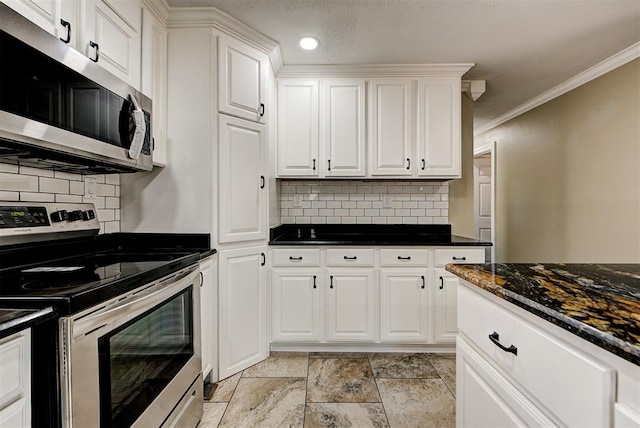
[(297, 201), (90, 184), (386, 201)]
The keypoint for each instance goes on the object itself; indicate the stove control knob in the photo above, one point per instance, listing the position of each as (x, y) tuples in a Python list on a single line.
[(74, 215), (58, 216), (88, 215)]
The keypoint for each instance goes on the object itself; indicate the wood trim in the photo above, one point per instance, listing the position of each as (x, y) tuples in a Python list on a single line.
[(609, 64), (375, 70)]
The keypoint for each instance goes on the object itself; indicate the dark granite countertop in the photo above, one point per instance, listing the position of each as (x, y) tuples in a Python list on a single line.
[(369, 235), (14, 320), (597, 302)]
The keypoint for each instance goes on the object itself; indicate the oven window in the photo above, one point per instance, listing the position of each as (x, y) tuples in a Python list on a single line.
[(141, 357)]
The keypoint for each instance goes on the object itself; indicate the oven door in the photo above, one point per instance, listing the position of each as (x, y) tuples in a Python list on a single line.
[(135, 360)]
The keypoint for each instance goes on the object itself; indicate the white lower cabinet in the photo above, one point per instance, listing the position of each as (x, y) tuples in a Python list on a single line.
[(295, 302), (404, 305), (351, 308), (446, 307), (209, 317), (242, 309), (15, 376)]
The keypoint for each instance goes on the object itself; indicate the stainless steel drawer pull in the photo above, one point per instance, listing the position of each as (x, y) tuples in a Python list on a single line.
[(404, 258), (495, 338), (459, 258), (295, 258), (350, 258)]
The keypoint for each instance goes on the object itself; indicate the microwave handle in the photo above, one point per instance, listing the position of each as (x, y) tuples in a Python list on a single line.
[(141, 129)]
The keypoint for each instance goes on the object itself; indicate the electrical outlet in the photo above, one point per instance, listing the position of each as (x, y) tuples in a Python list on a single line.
[(386, 201), (297, 201), (90, 184)]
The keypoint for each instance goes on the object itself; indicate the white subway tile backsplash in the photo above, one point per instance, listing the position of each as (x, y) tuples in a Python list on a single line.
[(42, 185), (362, 202), (54, 185)]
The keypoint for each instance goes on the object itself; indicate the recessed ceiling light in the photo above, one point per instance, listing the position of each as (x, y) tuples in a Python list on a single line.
[(309, 43)]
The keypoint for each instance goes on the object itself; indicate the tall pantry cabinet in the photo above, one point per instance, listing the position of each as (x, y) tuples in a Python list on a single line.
[(216, 179)]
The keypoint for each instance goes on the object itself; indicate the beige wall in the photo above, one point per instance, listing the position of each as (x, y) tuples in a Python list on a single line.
[(568, 175), (461, 191)]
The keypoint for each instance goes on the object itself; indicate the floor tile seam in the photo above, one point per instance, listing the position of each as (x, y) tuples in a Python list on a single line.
[(409, 378), (226, 407), (306, 391), (375, 381)]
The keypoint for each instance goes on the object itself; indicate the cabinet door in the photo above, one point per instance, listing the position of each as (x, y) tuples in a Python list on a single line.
[(391, 127), (242, 180), (43, 13), (438, 132), (351, 305), (298, 128), (209, 318), (242, 71), (342, 127), (295, 305), (118, 41), (446, 307), (242, 309), (154, 80), (404, 306)]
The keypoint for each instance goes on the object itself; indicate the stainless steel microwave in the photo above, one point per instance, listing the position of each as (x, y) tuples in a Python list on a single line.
[(60, 110)]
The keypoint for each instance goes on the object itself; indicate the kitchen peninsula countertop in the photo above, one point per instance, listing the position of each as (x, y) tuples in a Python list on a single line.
[(597, 302), (14, 320), (369, 235)]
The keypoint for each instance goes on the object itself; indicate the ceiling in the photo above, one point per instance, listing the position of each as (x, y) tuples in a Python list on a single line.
[(520, 47)]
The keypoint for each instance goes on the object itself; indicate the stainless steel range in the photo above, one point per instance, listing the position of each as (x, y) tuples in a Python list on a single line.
[(125, 350)]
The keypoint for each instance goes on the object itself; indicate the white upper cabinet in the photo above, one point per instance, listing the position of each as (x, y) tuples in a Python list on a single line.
[(242, 180), (439, 127), (298, 128), (44, 13), (242, 79), (154, 81), (391, 132), (342, 127), (112, 41)]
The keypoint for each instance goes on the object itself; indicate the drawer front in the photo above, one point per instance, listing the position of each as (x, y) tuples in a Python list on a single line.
[(461, 255), (296, 257), (402, 257), (14, 366), (576, 388), (350, 257)]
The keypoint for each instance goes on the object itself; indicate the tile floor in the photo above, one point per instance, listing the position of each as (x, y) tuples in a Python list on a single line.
[(327, 389)]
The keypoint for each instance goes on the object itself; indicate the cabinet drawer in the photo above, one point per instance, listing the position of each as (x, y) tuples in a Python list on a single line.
[(402, 257), (462, 255), (350, 257), (296, 257), (574, 387), (14, 363)]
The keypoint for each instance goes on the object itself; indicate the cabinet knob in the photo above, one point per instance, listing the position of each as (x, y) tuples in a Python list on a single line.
[(67, 25)]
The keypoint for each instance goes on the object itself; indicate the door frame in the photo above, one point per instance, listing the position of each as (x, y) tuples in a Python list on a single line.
[(477, 152)]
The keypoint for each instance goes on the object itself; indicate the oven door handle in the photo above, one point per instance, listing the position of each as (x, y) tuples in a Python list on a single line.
[(139, 301)]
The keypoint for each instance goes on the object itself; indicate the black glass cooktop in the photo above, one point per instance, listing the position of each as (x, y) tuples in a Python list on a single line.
[(79, 282)]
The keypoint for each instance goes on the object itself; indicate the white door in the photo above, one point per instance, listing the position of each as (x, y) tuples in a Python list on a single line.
[(404, 305), (209, 318), (438, 132), (111, 41), (295, 304), (154, 80), (242, 79), (391, 127), (242, 309), (342, 127), (351, 305), (298, 153), (482, 202), (446, 307), (43, 13), (242, 180)]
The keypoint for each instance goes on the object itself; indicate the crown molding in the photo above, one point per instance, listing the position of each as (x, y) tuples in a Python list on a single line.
[(159, 8), (474, 88), (376, 70), (592, 73), (211, 17)]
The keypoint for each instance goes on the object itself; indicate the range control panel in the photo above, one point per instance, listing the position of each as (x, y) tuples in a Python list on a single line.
[(34, 218)]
